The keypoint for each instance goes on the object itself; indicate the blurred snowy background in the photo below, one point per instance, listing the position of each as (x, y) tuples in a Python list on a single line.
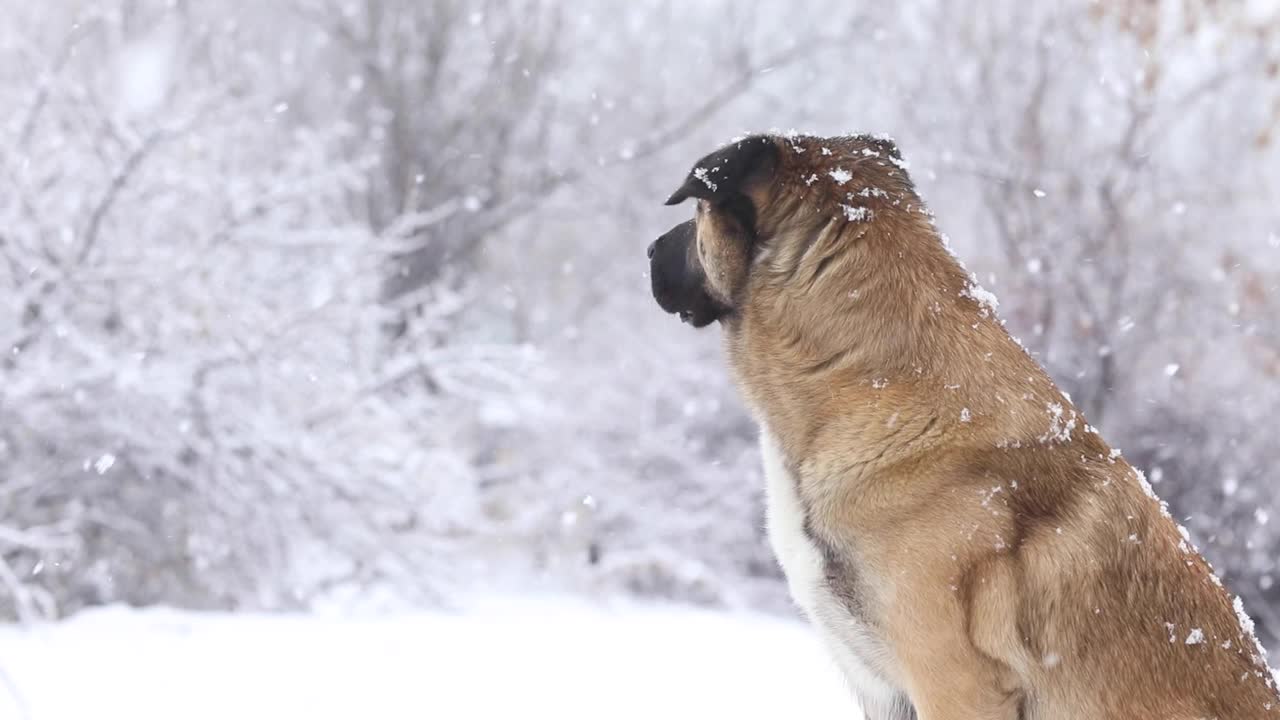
[(321, 304)]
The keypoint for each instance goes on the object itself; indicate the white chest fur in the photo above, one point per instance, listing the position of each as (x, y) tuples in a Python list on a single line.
[(856, 649)]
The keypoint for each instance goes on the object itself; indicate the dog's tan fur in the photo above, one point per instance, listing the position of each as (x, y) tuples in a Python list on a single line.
[(1012, 563)]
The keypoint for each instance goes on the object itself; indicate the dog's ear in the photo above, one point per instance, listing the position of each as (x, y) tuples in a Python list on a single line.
[(730, 171)]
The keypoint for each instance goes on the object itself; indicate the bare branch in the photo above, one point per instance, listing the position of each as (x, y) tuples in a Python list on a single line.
[(121, 178), (47, 78), (34, 539)]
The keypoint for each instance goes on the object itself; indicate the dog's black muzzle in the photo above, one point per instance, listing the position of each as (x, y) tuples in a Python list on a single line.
[(679, 283)]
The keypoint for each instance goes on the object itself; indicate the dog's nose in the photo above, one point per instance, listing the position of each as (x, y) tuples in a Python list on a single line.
[(652, 246)]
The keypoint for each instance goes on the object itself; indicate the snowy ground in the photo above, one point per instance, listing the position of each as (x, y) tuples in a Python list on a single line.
[(549, 659), (552, 659)]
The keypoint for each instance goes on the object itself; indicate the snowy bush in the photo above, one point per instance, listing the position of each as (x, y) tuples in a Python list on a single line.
[(199, 402)]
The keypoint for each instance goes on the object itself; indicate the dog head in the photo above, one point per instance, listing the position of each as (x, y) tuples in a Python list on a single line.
[(698, 267), (765, 195)]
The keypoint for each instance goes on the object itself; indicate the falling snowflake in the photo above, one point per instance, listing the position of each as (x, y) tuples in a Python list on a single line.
[(104, 463)]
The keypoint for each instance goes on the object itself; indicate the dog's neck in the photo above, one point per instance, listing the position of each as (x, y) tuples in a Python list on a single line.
[(881, 313)]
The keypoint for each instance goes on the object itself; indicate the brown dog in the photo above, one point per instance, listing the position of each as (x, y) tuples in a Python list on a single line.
[(967, 546)]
